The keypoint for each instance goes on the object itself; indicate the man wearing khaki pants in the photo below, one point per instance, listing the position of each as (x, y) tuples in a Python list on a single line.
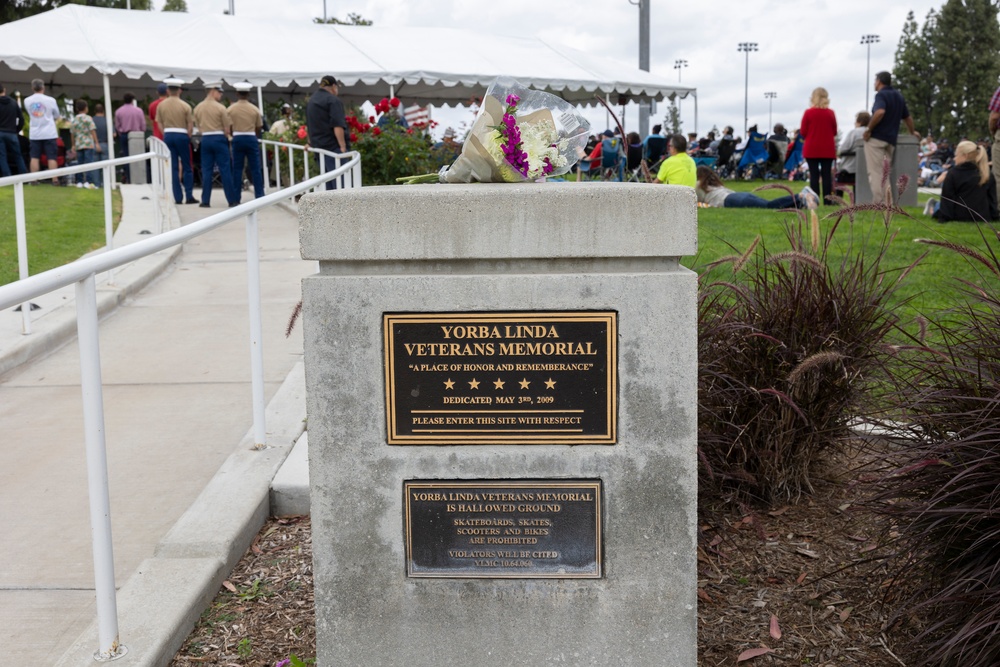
[(883, 129)]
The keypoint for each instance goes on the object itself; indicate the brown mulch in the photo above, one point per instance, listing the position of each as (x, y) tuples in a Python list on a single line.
[(801, 580), (264, 612)]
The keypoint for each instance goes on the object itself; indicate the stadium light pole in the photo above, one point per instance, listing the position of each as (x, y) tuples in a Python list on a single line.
[(746, 47), (868, 40), (770, 106), (679, 65)]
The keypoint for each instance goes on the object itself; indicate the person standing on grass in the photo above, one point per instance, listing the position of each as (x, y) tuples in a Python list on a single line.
[(11, 122), (43, 112), (880, 136), (83, 133), (819, 130)]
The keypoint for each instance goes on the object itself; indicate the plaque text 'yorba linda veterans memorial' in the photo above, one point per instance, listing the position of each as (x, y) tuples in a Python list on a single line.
[(504, 529), (501, 378)]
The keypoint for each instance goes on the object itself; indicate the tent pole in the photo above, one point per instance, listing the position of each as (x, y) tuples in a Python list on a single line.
[(109, 114), (695, 112)]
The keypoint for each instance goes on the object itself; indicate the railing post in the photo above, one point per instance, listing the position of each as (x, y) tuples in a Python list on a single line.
[(109, 225), (256, 332), (263, 164), (97, 470), (22, 253), (291, 167), (277, 168), (154, 174)]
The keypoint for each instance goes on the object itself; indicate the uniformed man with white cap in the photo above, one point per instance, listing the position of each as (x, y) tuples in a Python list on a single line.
[(247, 126), (174, 115), (215, 125)]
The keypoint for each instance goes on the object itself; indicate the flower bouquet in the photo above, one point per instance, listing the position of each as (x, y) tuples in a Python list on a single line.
[(519, 135)]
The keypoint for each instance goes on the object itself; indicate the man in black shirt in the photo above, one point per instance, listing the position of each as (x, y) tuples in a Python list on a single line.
[(327, 125), (11, 122), (880, 137)]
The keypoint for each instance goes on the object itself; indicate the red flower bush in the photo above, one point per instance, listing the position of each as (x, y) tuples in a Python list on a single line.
[(302, 132)]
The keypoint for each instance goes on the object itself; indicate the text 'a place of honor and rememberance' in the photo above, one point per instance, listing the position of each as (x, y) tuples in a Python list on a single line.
[(501, 378), (543, 529)]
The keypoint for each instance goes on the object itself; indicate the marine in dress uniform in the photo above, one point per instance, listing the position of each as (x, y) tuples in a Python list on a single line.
[(215, 125), (247, 126), (174, 115)]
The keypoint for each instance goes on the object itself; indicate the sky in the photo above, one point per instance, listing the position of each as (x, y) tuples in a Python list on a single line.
[(802, 44)]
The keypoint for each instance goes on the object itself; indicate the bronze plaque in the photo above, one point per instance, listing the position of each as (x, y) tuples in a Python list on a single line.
[(513, 529), (501, 378)]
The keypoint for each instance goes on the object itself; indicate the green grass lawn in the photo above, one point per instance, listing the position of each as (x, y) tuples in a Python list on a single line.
[(931, 287), (63, 223)]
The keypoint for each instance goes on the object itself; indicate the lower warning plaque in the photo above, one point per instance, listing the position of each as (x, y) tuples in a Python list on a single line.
[(541, 529)]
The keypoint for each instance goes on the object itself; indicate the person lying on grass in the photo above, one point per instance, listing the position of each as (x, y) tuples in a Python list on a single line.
[(712, 192)]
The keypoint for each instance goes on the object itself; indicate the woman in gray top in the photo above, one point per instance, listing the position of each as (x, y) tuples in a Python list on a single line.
[(848, 167)]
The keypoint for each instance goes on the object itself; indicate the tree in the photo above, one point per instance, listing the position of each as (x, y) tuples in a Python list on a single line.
[(672, 122), (352, 19), (14, 10), (175, 6), (112, 4), (967, 36), (914, 72)]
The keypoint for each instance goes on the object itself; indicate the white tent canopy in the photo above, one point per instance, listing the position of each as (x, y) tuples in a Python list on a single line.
[(73, 47)]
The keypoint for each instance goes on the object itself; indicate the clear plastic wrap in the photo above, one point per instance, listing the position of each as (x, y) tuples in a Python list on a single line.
[(519, 135)]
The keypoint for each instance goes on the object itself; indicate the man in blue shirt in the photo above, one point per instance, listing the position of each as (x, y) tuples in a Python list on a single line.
[(882, 131)]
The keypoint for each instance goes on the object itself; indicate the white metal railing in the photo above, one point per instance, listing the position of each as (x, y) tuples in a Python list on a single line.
[(291, 149), (158, 154), (82, 272)]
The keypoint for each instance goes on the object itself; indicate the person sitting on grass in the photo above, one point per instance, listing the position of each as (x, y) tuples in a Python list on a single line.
[(969, 191), (712, 192), (679, 168)]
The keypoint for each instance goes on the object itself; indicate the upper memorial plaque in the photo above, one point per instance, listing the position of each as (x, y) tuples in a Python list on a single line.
[(501, 378)]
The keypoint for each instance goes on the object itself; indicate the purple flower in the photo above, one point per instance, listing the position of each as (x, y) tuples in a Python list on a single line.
[(283, 663), (512, 100)]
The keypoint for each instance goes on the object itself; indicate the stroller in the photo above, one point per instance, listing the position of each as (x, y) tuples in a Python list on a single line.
[(754, 160)]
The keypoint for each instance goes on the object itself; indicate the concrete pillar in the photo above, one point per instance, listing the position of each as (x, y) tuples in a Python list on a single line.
[(501, 393), (905, 161), (137, 146)]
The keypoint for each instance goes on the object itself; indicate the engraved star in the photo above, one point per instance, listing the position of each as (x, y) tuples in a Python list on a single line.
[(448, 384), (524, 383), (474, 383), (499, 383), (550, 384)]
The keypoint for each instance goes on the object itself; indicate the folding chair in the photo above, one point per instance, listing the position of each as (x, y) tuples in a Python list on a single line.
[(612, 160), (655, 148), (634, 163)]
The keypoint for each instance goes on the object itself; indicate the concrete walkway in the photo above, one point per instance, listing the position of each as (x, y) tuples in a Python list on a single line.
[(175, 363)]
